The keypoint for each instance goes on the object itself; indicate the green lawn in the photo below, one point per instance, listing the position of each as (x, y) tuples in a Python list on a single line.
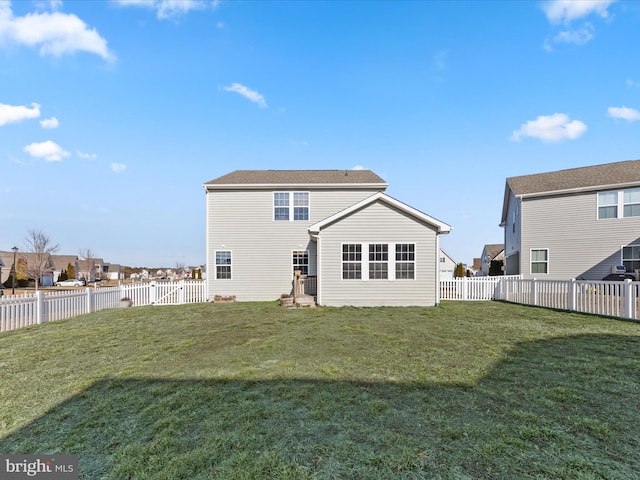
[(254, 391)]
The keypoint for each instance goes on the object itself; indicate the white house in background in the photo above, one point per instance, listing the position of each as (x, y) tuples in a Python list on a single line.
[(112, 271), (446, 265), (355, 244), (575, 223)]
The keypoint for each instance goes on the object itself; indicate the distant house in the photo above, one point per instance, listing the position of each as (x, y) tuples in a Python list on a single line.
[(354, 244), (490, 252), (446, 266), (574, 223), (61, 263), (112, 271)]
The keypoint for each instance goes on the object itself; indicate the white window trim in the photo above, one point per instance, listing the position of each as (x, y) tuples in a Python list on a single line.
[(215, 263), (291, 206), (622, 259), (391, 262), (548, 261)]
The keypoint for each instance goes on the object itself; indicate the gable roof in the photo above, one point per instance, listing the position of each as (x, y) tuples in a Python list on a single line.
[(493, 249), (572, 180), (609, 175), (296, 178), (61, 262), (441, 227)]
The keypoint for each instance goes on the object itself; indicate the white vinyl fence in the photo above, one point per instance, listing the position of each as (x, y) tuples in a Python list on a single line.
[(616, 299), (17, 311)]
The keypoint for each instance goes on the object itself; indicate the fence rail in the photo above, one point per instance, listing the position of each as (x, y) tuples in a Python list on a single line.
[(616, 299), (18, 311)]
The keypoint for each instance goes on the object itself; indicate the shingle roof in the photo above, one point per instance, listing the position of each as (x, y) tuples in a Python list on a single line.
[(298, 177), (607, 175)]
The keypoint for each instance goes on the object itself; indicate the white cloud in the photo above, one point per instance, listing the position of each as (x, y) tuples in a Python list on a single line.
[(247, 93), (118, 167), (566, 11), (550, 128), (50, 123), (12, 114), (87, 156), (358, 167), (577, 37), (625, 113), (50, 151), (631, 83), (54, 32), (169, 8)]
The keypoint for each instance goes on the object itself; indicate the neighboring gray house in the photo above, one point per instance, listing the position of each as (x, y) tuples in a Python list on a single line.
[(575, 223), (356, 244), (490, 252), (61, 263)]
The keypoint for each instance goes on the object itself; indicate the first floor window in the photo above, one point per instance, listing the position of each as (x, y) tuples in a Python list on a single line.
[(223, 264), (301, 261), (406, 261), (351, 261), (378, 261), (631, 257), (540, 261)]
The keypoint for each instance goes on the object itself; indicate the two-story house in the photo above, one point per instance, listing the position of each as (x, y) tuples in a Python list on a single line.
[(339, 227), (575, 223)]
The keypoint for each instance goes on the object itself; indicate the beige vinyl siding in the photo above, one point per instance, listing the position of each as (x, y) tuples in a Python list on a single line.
[(378, 223), (241, 221), (512, 237), (580, 245)]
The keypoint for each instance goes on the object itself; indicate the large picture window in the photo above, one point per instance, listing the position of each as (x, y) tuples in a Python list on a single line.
[(540, 261), (223, 264), (291, 206), (378, 261), (351, 261), (406, 261)]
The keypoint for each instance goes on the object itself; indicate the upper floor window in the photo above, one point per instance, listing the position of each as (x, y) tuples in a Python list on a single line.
[(291, 206), (619, 204)]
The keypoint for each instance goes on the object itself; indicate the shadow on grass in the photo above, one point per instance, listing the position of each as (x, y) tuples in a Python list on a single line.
[(561, 408)]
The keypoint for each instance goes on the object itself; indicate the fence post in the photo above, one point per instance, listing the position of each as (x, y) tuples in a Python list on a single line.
[(39, 307), (89, 300), (571, 301), (628, 301), (152, 293), (465, 288), (534, 292), (182, 292)]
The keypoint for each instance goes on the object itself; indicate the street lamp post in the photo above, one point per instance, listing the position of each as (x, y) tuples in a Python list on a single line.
[(13, 276)]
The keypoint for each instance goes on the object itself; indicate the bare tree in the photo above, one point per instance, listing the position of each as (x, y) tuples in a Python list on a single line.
[(86, 264), (179, 270), (39, 248)]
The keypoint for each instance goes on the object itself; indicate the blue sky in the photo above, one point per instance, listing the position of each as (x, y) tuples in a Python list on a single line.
[(114, 113)]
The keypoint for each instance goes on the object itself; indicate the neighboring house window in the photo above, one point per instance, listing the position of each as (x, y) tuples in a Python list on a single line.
[(378, 261), (442, 260), (223, 264), (351, 261), (607, 205), (291, 206), (301, 261), (620, 204), (540, 261), (631, 257), (631, 202), (406, 261)]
